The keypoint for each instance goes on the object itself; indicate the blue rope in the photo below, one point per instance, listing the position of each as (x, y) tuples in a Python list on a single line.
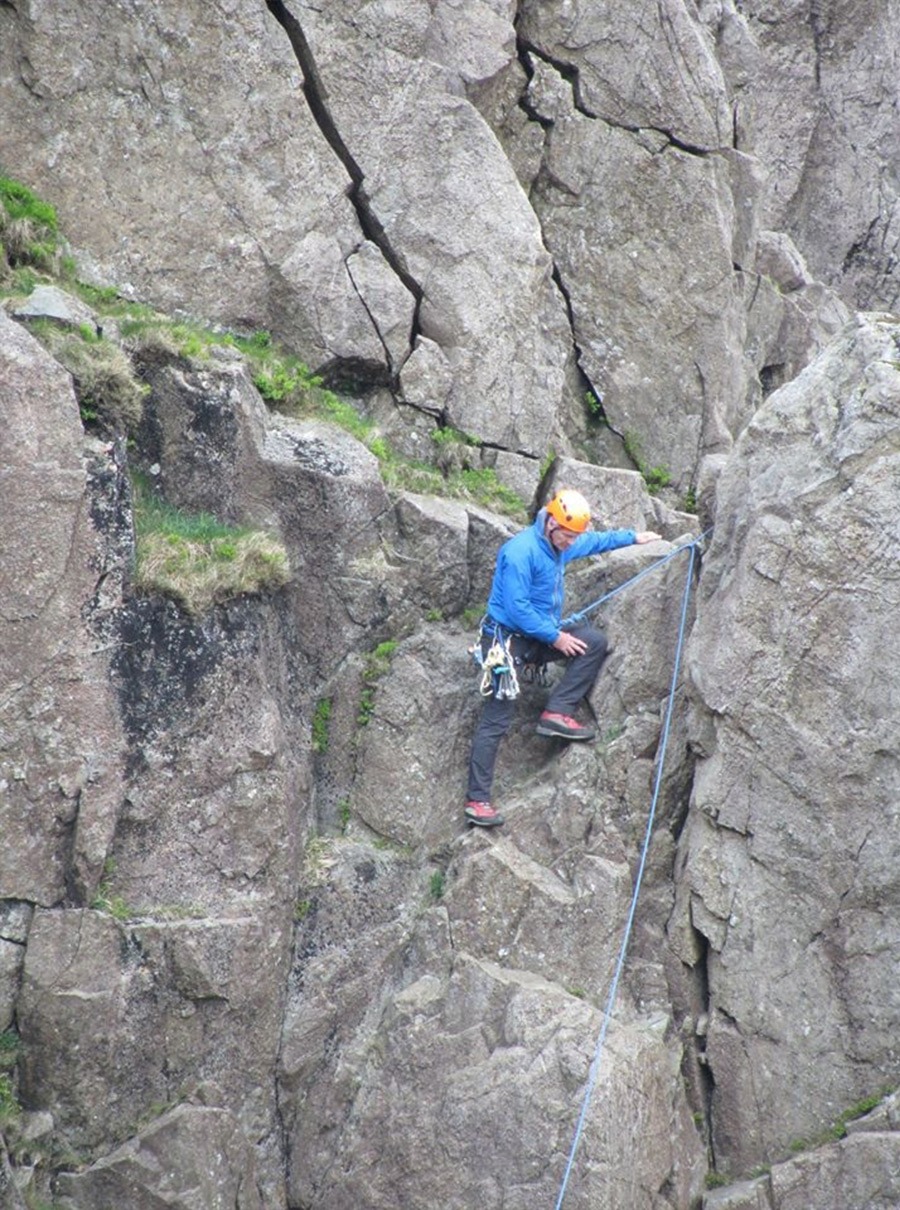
[(577, 617), (595, 1064)]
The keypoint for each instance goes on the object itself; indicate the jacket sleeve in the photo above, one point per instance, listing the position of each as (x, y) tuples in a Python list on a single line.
[(596, 542)]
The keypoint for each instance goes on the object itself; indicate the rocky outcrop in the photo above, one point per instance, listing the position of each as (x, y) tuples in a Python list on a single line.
[(809, 84), (786, 861), (64, 560), (248, 956), (858, 1171), (142, 1018), (282, 951), (418, 202)]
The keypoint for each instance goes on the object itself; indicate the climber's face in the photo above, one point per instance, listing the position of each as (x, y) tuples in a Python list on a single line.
[(558, 537)]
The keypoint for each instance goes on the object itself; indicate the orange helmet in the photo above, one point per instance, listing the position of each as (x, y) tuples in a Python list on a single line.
[(570, 509)]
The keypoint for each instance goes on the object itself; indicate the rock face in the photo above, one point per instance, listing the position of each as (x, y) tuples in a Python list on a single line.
[(64, 558), (795, 70), (421, 199), (856, 1172), (786, 874), (419, 983), (248, 955)]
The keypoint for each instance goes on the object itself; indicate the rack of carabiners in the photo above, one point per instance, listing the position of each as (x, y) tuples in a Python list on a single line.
[(498, 665)]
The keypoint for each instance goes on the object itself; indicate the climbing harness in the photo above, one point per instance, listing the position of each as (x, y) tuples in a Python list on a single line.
[(610, 1002), (534, 673), (499, 666)]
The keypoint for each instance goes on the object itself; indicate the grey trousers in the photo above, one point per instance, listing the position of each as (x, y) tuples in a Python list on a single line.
[(497, 715)]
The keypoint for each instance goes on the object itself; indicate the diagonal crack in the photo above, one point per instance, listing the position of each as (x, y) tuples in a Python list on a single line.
[(571, 74), (314, 92)]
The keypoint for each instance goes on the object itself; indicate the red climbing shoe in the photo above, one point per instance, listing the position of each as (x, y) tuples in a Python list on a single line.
[(562, 726), (483, 815)]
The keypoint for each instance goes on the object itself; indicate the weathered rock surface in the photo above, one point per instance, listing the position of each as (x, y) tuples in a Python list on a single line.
[(418, 983), (196, 1155), (247, 956), (809, 84), (62, 742), (857, 1172), (134, 1004), (789, 872), (483, 210), (438, 1051)]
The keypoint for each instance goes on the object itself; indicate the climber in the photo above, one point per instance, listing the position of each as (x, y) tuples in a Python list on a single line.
[(522, 628)]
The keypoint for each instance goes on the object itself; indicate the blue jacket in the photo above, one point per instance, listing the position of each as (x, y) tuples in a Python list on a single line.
[(527, 591)]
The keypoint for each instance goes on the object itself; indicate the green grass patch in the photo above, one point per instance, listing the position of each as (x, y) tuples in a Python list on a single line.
[(196, 559), (19, 202), (478, 485), (366, 706), (689, 501), (29, 232), (838, 1128), (377, 664), (9, 1105), (10, 1046), (148, 333), (378, 660), (716, 1180), (448, 436), (112, 905), (105, 901), (656, 477), (320, 724), (109, 393), (594, 408)]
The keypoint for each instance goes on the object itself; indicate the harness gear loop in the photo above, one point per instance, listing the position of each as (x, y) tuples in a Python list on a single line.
[(535, 674)]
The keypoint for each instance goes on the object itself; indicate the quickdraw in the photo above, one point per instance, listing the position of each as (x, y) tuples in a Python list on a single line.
[(498, 666)]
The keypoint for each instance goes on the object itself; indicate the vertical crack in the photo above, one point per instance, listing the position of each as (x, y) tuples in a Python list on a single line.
[(819, 29), (587, 385), (315, 94), (705, 1080), (526, 52)]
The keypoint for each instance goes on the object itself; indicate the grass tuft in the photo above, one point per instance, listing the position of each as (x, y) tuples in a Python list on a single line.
[(108, 391), (199, 561), (10, 1045), (28, 228), (9, 1105)]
